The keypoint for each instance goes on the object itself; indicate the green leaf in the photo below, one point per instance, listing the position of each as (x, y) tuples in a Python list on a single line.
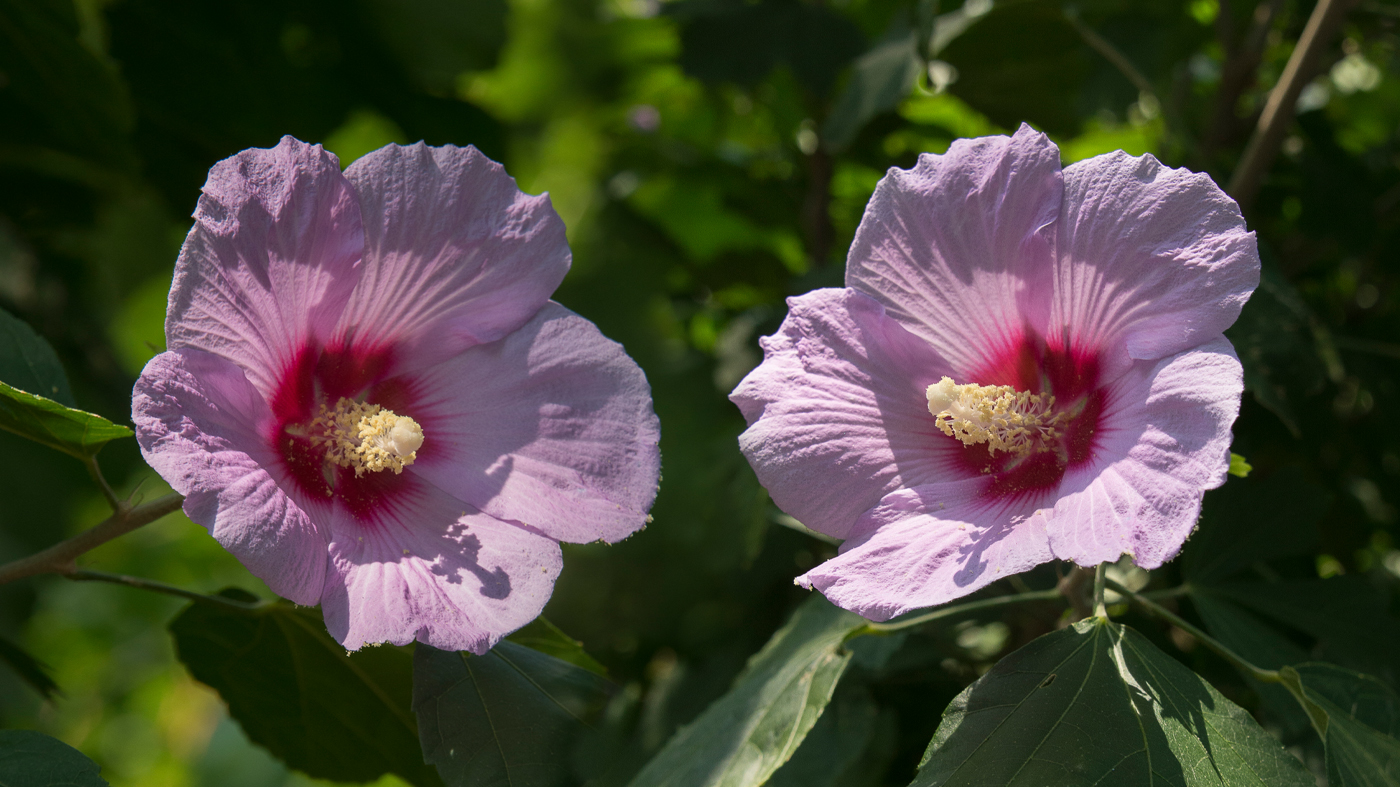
[(1345, 614), (32, 758), (509, 717), (28, 363), (1239, 467), (831, 753), (1363, 719), (297, 693), (74, 432), (1259, 644), (743, 737), (1096, 703), (539, 634), (28, 668), (879, 79)]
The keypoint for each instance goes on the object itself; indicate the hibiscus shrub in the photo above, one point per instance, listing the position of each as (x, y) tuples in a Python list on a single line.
[(1023, 375)]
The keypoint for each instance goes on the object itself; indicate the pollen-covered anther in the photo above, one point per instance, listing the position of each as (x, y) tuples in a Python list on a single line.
[(1004, 418), (366, 437)]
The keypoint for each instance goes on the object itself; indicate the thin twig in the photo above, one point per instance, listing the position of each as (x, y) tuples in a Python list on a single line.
[(140, 583), (1157, 610), (58, 559), (1278, 112), (1238, 72), (960, 609), (1110, 53), (113, 501)]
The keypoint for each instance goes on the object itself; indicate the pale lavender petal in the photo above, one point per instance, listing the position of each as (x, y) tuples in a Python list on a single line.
[(551, 427), (198, 422), (957, 248), (455, 254), (271, 259), (923, 547), (1164, 440), (1150, 260), (838, 415), (434, 569)]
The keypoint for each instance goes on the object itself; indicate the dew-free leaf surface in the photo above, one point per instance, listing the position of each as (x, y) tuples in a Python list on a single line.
[(1363, 720), (45, 421), (741, 739), (546, 637), (1096, 703), (296, 692), (28, 363), (31, 759), (509, 717)]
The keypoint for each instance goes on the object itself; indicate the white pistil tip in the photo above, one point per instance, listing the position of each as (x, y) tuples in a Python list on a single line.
[(367, 437), (1000, 416)]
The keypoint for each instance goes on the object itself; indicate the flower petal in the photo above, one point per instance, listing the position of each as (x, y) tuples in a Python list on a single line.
[(955, 248), (1150, 261), (197, 421), (455, 254), (434, 569), (838, 415), (551, 426), (270, 262), (1164, 440), (923, 547)]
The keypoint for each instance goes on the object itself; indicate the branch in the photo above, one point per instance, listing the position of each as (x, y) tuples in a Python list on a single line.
[(960, 609), (93, 470), (58, 559), (1238, 72), (1278, 111), (141, 583)]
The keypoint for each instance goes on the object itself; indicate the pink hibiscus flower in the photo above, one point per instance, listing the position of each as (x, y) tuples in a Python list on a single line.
[(370, 400), (1026, 364)]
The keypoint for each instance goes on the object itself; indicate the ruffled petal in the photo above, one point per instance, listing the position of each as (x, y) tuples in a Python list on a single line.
[(1163, 441), (551, 426), (434, 569), (1150, 260), (926, 546), (956, 248), (455, 254), (198, 423), (270, 262), (838, 415)]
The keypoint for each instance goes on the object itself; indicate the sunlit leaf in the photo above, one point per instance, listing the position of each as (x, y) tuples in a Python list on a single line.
[(297, 693), (46, 421), (743, 737), (32, 758), (1096, 703), (509, 717)]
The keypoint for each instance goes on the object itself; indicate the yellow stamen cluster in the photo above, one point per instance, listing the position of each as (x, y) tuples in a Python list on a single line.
[(1004, 418), (366, 437)]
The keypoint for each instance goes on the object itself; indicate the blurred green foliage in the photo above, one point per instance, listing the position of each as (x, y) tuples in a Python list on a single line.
[(710, 157)]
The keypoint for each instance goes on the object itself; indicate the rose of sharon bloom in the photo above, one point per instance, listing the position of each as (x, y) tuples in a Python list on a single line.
[(1026, 364), (371, 401)]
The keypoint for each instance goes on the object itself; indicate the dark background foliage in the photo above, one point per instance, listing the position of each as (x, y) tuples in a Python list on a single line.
[(710, 158)]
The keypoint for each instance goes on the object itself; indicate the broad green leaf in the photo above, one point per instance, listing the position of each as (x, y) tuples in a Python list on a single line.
[(32, 758), (1363, 719), (546, 637), (28, 363), (1096, 703), (743, 737), (1261, 645), (297, 693), (46, 421), (831, 753), (1253, 520), (1346, 614), (880, 78), (510, 717), (29, 669)]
